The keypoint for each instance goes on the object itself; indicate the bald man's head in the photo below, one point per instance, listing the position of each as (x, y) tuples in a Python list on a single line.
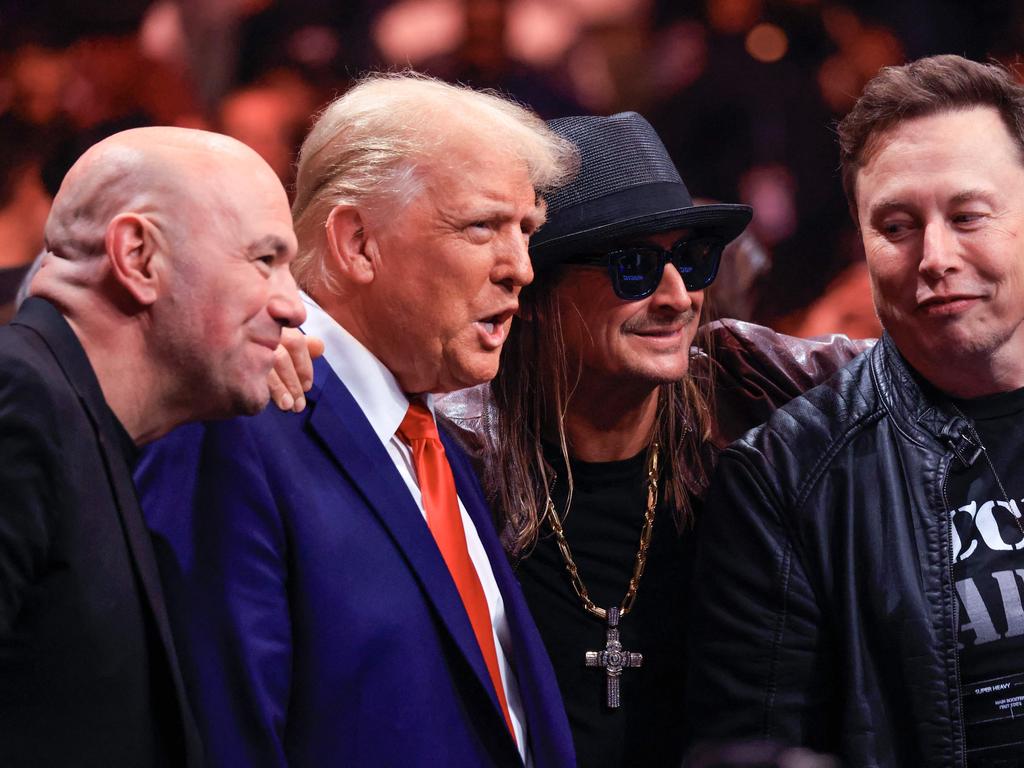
[(186, 236), (152, 171)]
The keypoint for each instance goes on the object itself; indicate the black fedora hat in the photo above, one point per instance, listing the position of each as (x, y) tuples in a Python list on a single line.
[(627, 186)]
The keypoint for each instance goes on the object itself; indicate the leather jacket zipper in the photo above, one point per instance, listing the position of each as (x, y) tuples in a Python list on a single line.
[(956, 612)]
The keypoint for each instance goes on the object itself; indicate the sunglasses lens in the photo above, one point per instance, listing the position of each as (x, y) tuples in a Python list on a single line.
[(697, 261), (636, 272)]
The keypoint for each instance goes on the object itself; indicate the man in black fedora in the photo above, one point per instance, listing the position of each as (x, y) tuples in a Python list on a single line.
[(599, 432)]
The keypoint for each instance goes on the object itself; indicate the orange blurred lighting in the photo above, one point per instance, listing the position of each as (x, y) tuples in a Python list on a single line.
[(767, 43), (733, 17), (411, 31)]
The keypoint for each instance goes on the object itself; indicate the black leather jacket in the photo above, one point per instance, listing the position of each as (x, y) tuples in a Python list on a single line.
[(825, 613)]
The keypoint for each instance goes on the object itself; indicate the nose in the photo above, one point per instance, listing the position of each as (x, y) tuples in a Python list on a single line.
[(513, 268), (671, 294), (284, 304), (939, 250)]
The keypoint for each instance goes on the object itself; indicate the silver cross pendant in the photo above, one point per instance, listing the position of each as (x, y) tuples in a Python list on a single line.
[(613, 659)]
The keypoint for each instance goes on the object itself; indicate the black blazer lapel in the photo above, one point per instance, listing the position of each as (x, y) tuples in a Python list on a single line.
[(67, 351)]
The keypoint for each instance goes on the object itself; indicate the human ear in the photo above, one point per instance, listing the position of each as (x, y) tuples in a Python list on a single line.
[(347, 244), (131, 248)]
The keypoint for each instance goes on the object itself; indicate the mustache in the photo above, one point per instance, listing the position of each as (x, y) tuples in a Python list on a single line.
[(648, 323)]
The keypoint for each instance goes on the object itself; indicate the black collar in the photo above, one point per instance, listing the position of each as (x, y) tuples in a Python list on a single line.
[(42, 317)]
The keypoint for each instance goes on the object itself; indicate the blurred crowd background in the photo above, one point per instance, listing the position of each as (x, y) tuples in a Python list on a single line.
[(745, 94)]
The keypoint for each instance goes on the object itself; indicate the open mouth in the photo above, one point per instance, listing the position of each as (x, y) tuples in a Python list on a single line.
[(494, 328), (490, 324)]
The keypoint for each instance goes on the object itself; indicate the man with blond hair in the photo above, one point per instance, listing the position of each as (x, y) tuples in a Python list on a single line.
[(161, 300), (348, 599)]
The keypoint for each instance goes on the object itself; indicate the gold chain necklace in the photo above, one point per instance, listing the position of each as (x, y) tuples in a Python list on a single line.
[(641, 554), (613, 658)]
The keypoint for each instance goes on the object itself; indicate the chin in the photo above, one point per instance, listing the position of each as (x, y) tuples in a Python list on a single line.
[(241, 402), (252, 404), (664, 374), (470, 373), (463, 381)]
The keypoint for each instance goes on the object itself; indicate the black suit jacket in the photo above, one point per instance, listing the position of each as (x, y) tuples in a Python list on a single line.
[(88, 675)]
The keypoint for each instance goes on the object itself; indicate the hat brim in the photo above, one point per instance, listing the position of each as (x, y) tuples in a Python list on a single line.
[(726, 219)]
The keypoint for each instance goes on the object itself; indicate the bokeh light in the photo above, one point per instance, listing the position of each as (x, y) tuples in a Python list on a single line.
[(767, 43), (412, 31)]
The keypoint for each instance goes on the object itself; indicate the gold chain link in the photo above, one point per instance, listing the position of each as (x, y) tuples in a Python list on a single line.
[(641, 554)]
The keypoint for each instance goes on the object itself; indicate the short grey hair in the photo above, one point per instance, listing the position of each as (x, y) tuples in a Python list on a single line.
[(367, 147)]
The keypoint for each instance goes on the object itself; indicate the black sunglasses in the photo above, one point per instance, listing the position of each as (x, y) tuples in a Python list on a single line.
[(636, 270)]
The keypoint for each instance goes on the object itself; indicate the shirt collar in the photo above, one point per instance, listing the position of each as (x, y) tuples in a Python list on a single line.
[(374, 387)]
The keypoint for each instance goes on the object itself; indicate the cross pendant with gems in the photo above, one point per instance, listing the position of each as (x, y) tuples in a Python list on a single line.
[(613, 659)]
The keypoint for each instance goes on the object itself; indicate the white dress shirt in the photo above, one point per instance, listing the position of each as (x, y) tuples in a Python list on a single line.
[(382, 401)]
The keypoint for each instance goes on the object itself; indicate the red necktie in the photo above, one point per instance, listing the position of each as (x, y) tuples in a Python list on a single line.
[(441, 502)]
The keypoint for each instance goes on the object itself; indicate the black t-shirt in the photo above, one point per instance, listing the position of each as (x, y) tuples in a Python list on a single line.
[(988, 568), (603, 531)]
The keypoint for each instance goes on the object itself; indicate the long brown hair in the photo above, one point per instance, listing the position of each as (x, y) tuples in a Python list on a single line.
[(531, 394)]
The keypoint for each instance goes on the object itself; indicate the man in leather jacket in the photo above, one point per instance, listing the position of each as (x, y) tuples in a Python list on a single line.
[(859, 569)]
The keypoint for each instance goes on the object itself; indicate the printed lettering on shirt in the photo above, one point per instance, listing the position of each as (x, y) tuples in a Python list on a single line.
[(980, 522), (993, 608)]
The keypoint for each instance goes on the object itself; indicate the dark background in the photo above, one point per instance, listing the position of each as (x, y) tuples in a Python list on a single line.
[(745, 93)]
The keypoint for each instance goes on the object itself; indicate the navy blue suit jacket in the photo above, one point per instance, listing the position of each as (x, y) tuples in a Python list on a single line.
[(317, 621)]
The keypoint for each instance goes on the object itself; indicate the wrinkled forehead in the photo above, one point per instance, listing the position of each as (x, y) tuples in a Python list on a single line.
[(973, 127), (471, 148), (946, 153), (465, 176)]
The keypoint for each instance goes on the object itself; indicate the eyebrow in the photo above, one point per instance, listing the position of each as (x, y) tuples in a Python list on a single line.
[(964, 196), (537, 217), (969, 195), (502, 209), (268, 243), (887, 206)]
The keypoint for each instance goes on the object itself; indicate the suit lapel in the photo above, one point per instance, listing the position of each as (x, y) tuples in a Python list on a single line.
[(545, 715), (141, 547), (67, 351), (347, 436)]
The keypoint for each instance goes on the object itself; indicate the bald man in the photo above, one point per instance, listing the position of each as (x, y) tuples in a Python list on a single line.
[(161, 300)]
